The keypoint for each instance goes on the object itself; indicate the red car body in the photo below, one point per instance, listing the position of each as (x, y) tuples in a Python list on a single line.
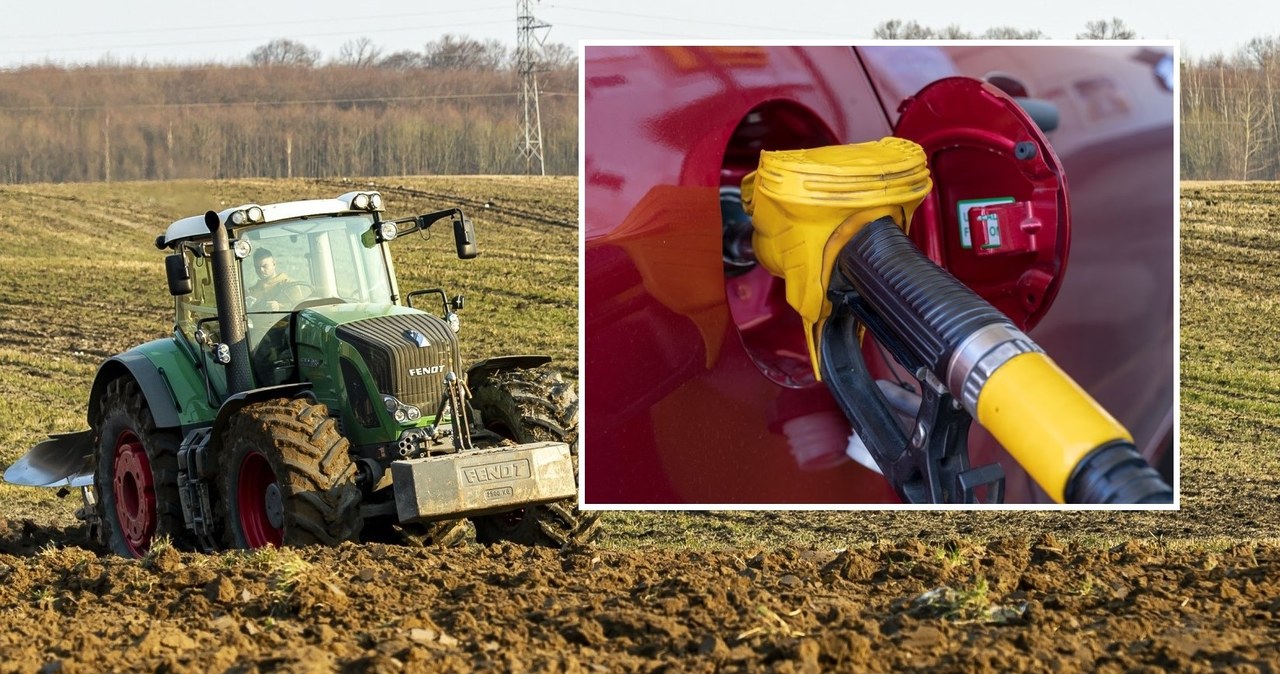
[(691, 376)]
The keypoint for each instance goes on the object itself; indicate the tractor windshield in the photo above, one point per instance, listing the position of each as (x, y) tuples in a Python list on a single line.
[(326, 260)]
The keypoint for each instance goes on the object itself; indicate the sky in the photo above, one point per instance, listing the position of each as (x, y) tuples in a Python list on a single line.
[(158, 32)]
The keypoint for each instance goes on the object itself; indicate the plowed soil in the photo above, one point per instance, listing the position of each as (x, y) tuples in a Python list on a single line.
[(1011, 604), (1194, 590)]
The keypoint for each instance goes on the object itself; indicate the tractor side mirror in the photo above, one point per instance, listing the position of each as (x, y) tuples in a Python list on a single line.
[(464, 235), (175, 269), (457, 303)]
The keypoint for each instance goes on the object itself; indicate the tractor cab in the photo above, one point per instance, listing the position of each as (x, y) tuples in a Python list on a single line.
[(300, 298), (289, 257), (284, 268)]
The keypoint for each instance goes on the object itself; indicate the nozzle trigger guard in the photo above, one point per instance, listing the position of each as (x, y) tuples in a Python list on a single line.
[(927, 463)]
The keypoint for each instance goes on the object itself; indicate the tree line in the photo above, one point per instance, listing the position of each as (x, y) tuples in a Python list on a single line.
[(1231, 114), (897, 29), (450, 52), (451, 109)]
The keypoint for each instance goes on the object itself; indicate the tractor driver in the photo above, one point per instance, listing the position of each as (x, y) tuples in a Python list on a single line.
[(274, 291)]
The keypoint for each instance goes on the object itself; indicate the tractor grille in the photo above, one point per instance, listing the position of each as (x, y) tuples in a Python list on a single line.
[(389, 346)]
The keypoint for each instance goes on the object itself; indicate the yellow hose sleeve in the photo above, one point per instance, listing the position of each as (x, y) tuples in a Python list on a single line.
[(1044, 419)]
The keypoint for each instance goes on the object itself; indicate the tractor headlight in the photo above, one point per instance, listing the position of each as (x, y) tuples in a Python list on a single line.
[(402, 413), (362, 201), (454, 323), (387, 231), (242, 248), (255, 214), (239, 218)]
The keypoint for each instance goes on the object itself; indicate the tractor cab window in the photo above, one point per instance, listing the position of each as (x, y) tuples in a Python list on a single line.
[(199, 308)]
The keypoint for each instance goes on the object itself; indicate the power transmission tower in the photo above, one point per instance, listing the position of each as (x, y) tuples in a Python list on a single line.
[(528, 49)]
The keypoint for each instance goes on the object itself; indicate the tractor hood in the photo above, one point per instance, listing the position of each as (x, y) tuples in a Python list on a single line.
[(361, 353)]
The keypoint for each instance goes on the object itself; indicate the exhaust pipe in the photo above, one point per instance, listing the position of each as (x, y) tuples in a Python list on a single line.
[(230, 296)]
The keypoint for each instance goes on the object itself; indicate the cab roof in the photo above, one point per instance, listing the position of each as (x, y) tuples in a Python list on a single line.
[(194, 227)]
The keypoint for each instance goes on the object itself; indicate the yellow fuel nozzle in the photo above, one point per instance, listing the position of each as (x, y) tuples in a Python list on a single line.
[(805, 205)]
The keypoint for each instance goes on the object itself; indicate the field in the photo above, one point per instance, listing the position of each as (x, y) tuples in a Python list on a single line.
[(781, 591)]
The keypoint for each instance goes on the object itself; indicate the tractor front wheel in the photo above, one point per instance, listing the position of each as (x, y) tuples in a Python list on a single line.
[(135, 473), (534, 406), (287, 477)]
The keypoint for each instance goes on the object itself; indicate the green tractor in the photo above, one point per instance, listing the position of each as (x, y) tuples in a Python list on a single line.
[(302, 399)]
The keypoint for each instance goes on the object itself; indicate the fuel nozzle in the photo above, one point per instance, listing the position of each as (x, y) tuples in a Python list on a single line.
[(807, 204)]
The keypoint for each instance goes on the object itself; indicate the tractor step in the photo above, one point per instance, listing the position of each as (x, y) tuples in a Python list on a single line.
[(482, 481)]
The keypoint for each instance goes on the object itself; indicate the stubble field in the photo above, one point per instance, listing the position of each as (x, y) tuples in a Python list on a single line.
[(779, 591)]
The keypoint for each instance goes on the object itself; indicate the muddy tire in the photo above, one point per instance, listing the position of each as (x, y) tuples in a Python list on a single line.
[(135, 474), (441, 534), (534, 406), (287, 477)]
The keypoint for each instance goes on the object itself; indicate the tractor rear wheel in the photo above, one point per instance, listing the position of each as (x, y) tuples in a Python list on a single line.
[(135, 473), (525, 406), (287, 477)]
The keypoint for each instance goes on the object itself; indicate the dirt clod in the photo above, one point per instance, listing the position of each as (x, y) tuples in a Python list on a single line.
[(220, 590)]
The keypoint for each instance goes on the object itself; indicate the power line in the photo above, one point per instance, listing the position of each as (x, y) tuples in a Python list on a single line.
[(667, 34), (133, 68), (139, 31), (240, 104), (646, 33), (683, 20), (244, 39)]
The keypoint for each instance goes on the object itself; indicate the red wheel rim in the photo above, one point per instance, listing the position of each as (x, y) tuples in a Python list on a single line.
[(135, 493), (256, 478)]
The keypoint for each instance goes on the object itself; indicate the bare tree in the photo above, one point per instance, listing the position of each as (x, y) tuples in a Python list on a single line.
[(1262, 58), (359, 53), (284, 52), (894, 29), (1253, 133), (953, 32), (403, 60), (458, 52), (1011, 33), (559, 56), (1199, 149), (1115, 29)]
